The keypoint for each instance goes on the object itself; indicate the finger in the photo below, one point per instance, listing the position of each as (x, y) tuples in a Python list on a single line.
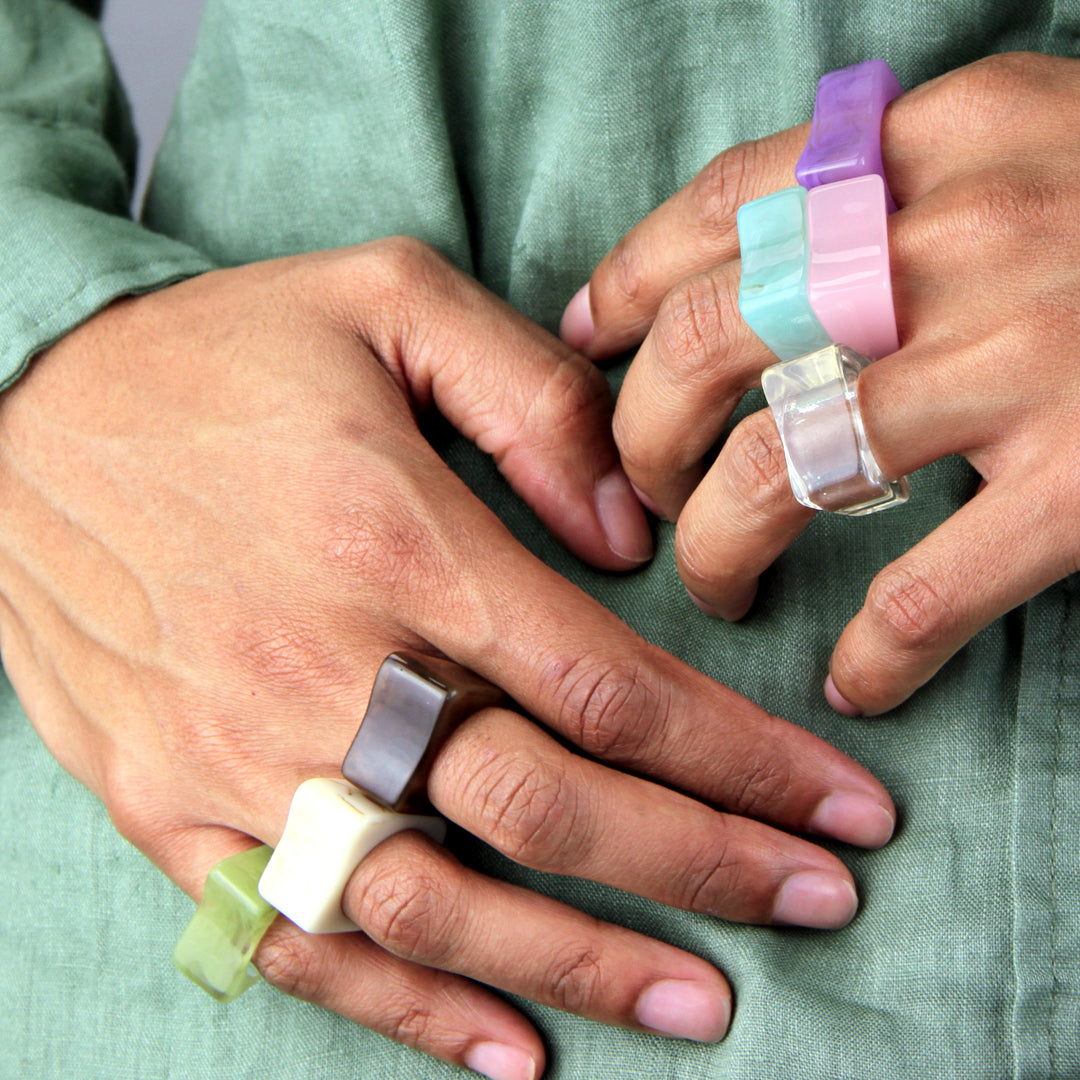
[(959, 122), (504, 780), (418, 902), (918, 405), (441, 1014), (686, 235), (1007, 544), (575, 666), (689, 374), (739, 520), (540, 410)]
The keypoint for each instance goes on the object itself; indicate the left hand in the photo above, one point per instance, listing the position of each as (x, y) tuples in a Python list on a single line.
[(985, 250)]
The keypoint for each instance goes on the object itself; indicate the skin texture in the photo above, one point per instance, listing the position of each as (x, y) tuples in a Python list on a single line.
[(220, 516), (985, 252)]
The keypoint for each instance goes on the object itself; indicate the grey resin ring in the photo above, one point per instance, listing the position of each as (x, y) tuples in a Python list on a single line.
[(416, 702)]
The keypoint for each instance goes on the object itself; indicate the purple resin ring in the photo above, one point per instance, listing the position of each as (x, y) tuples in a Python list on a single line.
[(845, 136)]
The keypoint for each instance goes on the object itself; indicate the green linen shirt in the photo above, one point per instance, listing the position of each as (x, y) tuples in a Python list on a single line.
[(523, 139)]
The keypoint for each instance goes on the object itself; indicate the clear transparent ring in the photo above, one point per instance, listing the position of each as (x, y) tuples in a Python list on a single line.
[(815, 402)]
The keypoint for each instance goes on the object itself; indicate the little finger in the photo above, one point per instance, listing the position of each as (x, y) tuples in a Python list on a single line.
[(1007, 544), (443, 1015)]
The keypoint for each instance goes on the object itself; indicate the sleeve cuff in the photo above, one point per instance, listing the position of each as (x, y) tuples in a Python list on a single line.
[(62, 262)]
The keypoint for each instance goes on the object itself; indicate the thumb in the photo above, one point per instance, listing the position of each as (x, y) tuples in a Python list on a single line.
[(541, 410)]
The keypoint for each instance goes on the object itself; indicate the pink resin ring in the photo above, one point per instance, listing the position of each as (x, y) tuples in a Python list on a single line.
[(848, 281), (845, 136)]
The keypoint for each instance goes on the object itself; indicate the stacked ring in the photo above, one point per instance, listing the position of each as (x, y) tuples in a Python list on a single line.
[(332, 825), (774, 292), (814, 401), (816, 288), (848, 281), (416, 702)]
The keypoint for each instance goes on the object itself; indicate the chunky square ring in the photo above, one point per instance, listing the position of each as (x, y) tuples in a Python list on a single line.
[(416, 702), (331, 828), (216, 948), (849, 282), (815, 402), (773, 285), (845, 135)]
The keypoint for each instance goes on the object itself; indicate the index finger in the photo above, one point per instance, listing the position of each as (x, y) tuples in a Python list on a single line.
[(686, 235)]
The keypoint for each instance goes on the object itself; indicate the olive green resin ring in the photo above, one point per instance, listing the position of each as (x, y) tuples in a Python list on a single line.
[(215, 950)]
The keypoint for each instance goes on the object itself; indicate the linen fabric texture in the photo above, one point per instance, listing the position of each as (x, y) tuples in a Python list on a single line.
[(523, 139)]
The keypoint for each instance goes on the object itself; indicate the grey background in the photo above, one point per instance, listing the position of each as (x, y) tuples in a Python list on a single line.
[(151, 41)]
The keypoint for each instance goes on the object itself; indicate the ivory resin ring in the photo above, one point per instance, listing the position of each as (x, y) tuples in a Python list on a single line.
[(416, 702), (331, 828)]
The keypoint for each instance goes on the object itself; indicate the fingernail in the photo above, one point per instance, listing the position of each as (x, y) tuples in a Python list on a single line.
[(576, 328), (500, 1062), (838, 701), (854, 818), (707, 608), (815, 899), (622, 518), (646, 501), (684, 1010)]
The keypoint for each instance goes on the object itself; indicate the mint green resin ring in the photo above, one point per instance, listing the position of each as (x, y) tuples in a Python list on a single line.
[(774, 286), (216, 948)]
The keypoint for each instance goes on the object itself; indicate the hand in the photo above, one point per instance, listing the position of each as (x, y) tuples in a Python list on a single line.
[(220, 516), (986, 275)]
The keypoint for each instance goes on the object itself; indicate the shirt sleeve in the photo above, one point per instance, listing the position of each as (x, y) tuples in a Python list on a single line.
[(67, 244)]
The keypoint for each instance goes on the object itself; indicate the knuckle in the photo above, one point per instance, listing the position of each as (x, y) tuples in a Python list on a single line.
[(411, 912), (723, 186), (570, 398), (134, 805), (389, 539), (912, 612), (575, 979), (392, 277), (625, 284), (280, 651), (287, 963), (983, 96), (712, 879), (613, 708), (403, 263), (529, 810), (1011, 205), (412, 1025), (696, 556), (693, 328), (1001, 77), (756, 466), (759, 785)]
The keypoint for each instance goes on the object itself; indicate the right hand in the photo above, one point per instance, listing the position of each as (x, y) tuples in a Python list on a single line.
[(219, 516)]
